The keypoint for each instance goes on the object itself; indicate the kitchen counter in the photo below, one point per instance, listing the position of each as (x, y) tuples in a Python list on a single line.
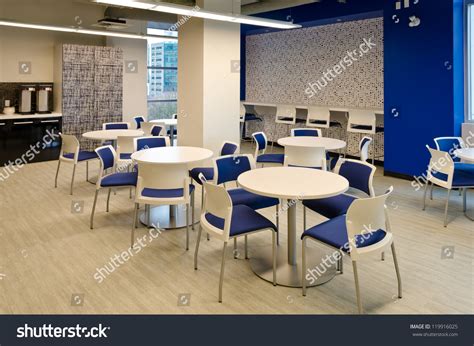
[(29, 116)]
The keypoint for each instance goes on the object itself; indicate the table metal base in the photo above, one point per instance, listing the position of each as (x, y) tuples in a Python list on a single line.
[(286, 274), (168, 217)]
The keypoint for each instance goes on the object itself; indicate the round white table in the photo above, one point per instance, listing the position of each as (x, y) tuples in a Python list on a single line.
[(466, 154), (111, 135), (170, 217), (321, 142), (293, 185)]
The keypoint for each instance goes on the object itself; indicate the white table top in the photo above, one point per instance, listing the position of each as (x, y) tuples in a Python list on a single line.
[(321, 142), (111, 135), (167, 122), (172, 155), (466, 154), (293, 183)]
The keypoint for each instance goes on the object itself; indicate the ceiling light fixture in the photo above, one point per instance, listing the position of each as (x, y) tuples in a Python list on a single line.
[(74, 30), (199, 13)]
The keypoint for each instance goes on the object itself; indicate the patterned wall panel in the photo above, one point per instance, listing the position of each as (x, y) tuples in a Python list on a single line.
[(92, 89), (280, 67)]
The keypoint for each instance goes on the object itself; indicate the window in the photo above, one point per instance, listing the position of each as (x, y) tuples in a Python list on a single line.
[(470, 59), (162, 75)]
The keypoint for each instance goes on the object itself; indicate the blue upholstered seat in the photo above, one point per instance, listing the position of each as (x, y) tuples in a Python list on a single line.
[(208, 173), (168, 193), (120, 179), (464, 167), (330, 207), (175, 132), (83, 156), (461, 178), (244, 220), (334, 233), (243, 197), (271, 158), (125, 156), (252, 117), (117, 126), (306, 133)]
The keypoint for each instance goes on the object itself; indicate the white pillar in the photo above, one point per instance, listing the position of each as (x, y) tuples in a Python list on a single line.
[(208, 84)]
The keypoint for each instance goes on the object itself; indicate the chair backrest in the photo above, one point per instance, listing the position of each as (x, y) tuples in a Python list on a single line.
[(229, 148), (440, 168), (243, 111), (318, 117), (115, 126), (142, 143), (217, 204), (147, 126), (364, 146), (306, 132), (286, 115), (364, 216), (158, 130), (450, 145), (360, 174), (69, 145), (261, 143), (138, 121), (158, 177), (108, 160), (228, 168), (125, 145), (308, 157), (361, 121), (174, 116)]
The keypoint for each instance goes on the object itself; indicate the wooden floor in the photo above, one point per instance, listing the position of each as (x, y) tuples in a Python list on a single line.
[(48, 258)]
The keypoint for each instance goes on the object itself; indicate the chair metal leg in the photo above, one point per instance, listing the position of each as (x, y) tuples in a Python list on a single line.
[(57, 173), (198, 241), (147, 215), (93, 209), (221, 279), (235, 248), (87, 170), (192, 211), (278, 224), (373, 148), (108, 200), (424, 194), (72, 179), (356, 280), (274, 256), (246, 247), (134, 224), (136, 216), (464, 200), (431, 192), (446, 209), (187, 226), (304, 218), (303, 266), (382, 257), (397, 270), (341, 264), (208, 237)]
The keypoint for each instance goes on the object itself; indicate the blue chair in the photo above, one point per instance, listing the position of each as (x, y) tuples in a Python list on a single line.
[(261, 146), (228, 148), (227, 170), (244, 118), (450, 145), (157, 130), (111, 180), (226, 221), (71, 153), (360, 176), (360, 234), (142, 143), (115, 126), (138, 121), (175, 131), (304, 132), (446, 176)]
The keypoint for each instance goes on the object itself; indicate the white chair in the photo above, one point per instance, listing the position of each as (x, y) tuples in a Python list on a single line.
[(364, 146), (286, 115), (71, 154), (147, 126), (319, 117), (442, 172), (116, 126), (138, 121), (261, 147), (125, 149), (225, 221), (158, 185), (365, 231), (309, 157), (158, 129)]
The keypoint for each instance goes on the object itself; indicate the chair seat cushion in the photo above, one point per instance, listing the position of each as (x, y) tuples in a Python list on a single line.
[(271, 158), (125, 156), (252, 200), (330, 207), (461, 178), (243, 220), (166, 193), (208, 173), (464, 167), (334, 233), (83, 156), (120, 179), (175, 132)]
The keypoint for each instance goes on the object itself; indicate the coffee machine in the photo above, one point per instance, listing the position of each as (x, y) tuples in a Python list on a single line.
[(26, 99), (44, 99)]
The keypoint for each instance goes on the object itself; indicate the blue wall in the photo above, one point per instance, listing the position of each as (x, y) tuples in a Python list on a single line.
[(424, 72)]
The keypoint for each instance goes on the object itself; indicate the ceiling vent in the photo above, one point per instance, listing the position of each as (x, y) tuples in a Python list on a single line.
[(112, 23)]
